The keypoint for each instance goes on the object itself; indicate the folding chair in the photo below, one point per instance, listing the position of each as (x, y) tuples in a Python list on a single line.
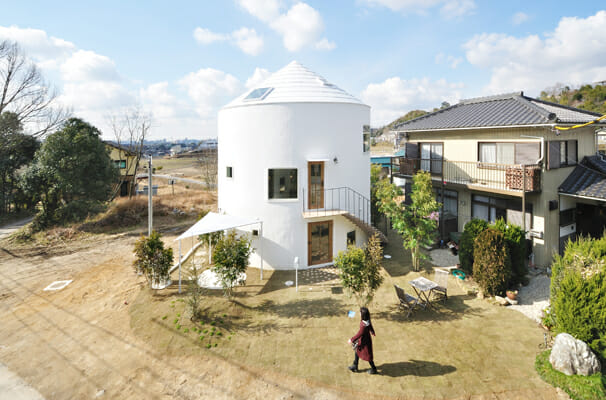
[(441, 278), (407, 302)]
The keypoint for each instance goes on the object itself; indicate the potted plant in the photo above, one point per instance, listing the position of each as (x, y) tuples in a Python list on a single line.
[(512, 294)]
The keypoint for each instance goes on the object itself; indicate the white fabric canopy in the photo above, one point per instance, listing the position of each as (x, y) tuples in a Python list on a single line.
[(213, 222)]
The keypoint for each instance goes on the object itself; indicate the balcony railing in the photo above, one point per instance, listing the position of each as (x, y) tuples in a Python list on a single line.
[(518, 178), (334, 201)]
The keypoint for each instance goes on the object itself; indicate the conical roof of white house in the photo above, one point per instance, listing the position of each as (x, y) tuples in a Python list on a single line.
[(294, 84)]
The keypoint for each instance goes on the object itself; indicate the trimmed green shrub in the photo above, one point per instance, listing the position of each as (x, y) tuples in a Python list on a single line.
[(491, 266), (578, 292), (472, 229), (578, 387), (516, 245)]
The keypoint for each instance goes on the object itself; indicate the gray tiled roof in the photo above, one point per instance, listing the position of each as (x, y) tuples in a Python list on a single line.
[(588, 179), (503, 110)]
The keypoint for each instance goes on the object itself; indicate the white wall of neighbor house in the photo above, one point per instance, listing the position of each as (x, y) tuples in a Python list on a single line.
[(257, 138)]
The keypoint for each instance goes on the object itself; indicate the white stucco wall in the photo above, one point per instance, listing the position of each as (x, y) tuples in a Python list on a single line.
[(260, 137)]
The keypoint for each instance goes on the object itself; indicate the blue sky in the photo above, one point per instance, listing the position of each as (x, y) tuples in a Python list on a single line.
[(182, 61)]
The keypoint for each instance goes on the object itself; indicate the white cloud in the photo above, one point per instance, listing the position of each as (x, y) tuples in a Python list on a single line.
[(394, 97), (209, 89), (448, 8), (325, 44), (257, 77), (85, 65), (205, 36), (300, 26), (248, 41), (572, 54), (265, 10), (157, 99), (46, 51), (519, 18), (452, 61)]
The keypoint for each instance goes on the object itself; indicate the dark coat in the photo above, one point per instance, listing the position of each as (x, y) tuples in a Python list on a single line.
[(364, 349)]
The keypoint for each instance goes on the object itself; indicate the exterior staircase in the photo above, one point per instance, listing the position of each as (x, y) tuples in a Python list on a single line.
[(346, 202)]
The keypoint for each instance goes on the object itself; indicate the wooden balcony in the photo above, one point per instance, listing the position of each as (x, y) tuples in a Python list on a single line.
[(510, 179)]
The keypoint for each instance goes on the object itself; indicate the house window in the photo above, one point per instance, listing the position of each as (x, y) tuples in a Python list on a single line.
[(366, 138), (561, 153), (121, 164), (509, 153), (450, 202), (431, 157), (491, 209), (282, 183), (351, 238), (230, 172)]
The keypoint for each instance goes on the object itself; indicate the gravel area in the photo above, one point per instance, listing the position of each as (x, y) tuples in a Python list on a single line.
[(443, 258), (533, 299)]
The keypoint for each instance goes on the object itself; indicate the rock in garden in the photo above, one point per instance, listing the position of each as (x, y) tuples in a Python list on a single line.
[(501, 300), (573, 357)]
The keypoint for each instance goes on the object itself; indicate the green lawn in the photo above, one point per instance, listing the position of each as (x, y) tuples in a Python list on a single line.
[(462, 348)]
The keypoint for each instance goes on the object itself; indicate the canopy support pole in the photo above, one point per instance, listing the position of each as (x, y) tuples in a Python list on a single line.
[(179, 266), (261, 237), (209, 250)]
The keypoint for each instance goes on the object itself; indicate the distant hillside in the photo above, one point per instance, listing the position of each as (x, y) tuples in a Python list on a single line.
[(587, 97), (407, 117)]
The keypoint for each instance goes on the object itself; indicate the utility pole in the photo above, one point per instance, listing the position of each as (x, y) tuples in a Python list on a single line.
[(150, 207)]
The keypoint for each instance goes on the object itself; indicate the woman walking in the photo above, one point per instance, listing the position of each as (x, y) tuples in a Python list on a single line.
[(364, 348)]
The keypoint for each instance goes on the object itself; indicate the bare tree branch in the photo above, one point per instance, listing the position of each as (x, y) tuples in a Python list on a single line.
[(25, 93)]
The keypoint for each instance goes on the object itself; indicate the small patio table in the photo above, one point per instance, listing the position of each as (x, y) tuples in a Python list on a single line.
[(423, 288)]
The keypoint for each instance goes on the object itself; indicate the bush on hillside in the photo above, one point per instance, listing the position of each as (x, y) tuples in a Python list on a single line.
[(578, 292), (491, 266), (472, 229), (516, 245)]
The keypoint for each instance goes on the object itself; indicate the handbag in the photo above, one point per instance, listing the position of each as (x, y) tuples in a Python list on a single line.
[(354, 345)]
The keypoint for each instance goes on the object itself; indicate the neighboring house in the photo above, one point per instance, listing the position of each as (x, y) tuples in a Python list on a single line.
[(124, 160), (208, 144), (501, 157), (295, 153)]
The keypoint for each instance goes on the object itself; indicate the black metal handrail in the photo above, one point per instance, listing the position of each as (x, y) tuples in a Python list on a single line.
[(513, 177), (328, 201)]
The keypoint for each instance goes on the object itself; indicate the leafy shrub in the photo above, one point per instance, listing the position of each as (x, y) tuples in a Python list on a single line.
[(152, 259), (466, 251), (516, 245), (231, 259), (578, 292), (491, 266), (359, 270), (578, 387)]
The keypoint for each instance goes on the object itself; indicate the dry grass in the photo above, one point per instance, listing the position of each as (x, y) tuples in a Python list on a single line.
[(464, 348)]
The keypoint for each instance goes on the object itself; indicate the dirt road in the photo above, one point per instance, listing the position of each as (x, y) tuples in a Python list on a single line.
[(13, 227), (77, 343)]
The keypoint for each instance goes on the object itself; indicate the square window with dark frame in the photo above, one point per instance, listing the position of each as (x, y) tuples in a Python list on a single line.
[(230, 172), (282, 183), (561, 153), (121, 164), (491, 209), (351, 238)]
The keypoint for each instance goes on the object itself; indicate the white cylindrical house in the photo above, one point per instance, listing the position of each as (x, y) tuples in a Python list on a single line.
[(294, 153)]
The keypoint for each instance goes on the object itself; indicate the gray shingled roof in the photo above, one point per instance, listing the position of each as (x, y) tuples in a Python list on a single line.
[(503, 110), (588, 179)]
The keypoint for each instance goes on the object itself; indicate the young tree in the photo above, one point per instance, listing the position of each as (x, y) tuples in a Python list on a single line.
[(375, 177), (207, 161), (231, 259), (130, 130), (195, 293), (24, 92), (360, 270), (72, 174), (16, 150), (416, 223), (152, 259)]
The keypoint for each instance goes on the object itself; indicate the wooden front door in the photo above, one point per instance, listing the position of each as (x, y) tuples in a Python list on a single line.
[(319, 242), (316, 184)]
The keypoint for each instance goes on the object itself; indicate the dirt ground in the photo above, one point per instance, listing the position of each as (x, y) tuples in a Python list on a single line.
[(77, 343)]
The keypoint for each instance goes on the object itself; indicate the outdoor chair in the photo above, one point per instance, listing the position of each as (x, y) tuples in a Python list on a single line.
[(441, 278), (407, 302)]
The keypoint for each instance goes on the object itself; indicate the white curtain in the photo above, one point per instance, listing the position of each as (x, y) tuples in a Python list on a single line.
[(488, 153)]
